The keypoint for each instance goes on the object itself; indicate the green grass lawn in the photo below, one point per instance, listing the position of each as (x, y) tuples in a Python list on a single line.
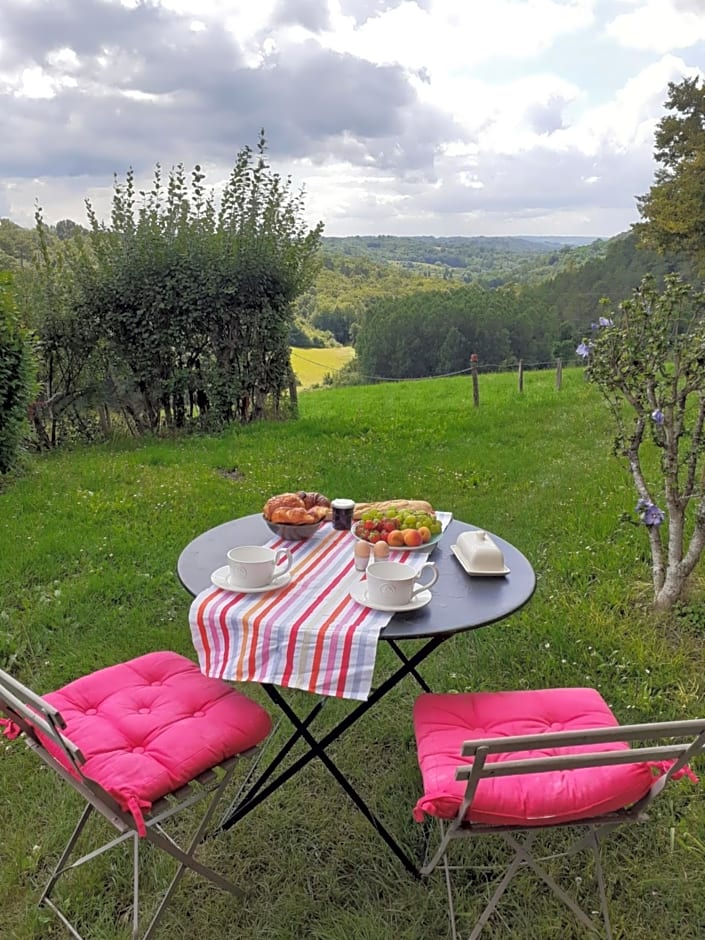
[(90, 541)]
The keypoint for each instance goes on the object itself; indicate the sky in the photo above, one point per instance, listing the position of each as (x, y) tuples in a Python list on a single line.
[(400, 117)]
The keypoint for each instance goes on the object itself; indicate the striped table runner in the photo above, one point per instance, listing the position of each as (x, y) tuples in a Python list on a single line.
[(309, 635)]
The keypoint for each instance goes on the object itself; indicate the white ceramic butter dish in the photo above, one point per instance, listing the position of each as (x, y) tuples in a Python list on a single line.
[(479, 554)]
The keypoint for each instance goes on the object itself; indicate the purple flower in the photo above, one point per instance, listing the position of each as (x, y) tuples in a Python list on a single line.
[(583, 350), (650, 513), (653, 516), (657, 416), (605, 321)]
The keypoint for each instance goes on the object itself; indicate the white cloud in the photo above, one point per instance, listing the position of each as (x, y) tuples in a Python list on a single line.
[(435, 116), (660, 25)]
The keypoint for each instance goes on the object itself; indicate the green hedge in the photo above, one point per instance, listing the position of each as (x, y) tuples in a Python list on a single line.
[(16, 377)]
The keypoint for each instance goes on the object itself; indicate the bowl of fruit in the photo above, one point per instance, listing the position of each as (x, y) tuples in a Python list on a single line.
[(404, 529)]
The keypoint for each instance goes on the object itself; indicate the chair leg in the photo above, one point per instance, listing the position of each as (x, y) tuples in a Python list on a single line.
[(599, 874), (161, 840), (523, 857), (514, 867), (187, 858), (526, 858), (59, 869), (449, 885)]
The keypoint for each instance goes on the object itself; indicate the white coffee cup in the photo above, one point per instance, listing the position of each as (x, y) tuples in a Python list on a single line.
[(255, 566), (391, 583)]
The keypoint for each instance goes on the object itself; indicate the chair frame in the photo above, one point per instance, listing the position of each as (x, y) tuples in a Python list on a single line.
[(31, 713), (597, 827)]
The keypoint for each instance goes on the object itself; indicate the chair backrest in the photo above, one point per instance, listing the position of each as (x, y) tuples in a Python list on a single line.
[(689, 735), (32, 714)]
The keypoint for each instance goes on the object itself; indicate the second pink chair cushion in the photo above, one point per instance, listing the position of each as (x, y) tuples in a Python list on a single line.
[(443, 722)]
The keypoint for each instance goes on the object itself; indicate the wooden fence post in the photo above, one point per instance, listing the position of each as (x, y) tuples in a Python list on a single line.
[(475, 382), (559, 374), (521, 375)]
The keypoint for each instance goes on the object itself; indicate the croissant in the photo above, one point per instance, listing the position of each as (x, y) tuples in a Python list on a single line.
[(282, 501), (313, 499), (293, 516)]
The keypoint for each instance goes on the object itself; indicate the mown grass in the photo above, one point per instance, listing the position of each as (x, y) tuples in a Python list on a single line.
[(312, 365), (87, 577)]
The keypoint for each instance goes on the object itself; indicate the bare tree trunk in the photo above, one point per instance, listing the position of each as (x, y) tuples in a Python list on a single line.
[(105, 423)]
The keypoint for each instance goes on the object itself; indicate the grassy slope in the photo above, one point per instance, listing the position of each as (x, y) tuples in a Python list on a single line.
[(90, 541), (311, 365)]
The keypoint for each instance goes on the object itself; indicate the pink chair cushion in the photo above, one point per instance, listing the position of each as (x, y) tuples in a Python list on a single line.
[(443, 722), (148, 726)]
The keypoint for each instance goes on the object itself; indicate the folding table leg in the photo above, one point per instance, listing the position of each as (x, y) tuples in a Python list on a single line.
[(317, 749), (412, 671), (239, 808)]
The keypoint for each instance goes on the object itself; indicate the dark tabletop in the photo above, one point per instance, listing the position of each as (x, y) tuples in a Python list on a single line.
[(459, 602)]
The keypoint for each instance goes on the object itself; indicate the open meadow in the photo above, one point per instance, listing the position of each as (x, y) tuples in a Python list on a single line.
[(90, 540), (312, 365)]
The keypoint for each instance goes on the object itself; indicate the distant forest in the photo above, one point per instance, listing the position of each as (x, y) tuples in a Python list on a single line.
[(504, 299), (413, 306)]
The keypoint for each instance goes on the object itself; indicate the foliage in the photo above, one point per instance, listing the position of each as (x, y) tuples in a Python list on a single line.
[(90, 541), (565, 294), (650, 355), (481, 260), (18, 246), (188, 305), (16, 377), (673, 211), (435, 333), (574, 296)]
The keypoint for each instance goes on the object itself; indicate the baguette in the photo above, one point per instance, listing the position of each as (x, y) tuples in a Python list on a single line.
[(418, 504)]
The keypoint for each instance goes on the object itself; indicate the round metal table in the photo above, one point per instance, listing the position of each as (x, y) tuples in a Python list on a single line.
[(459, 602)]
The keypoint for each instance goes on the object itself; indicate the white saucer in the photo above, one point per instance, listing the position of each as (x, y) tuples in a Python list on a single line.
[(473, 571), (358, 592), (221, 579)]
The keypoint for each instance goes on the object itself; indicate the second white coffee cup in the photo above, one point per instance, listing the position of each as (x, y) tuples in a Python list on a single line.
[(391, 583), (255, 566)]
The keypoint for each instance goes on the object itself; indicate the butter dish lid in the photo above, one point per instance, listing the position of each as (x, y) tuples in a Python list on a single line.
[(479, 554)]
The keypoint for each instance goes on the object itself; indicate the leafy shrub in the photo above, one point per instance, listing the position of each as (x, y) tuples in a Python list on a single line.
[(16, 377)]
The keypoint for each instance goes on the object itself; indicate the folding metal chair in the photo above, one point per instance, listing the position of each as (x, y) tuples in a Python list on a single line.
[(140, 742), (512, 764)]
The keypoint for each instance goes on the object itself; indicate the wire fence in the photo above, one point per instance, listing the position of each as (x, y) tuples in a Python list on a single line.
[(474, 368)]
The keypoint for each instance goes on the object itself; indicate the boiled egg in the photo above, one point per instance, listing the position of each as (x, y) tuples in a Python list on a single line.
[(362, 553), (380, 550)]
